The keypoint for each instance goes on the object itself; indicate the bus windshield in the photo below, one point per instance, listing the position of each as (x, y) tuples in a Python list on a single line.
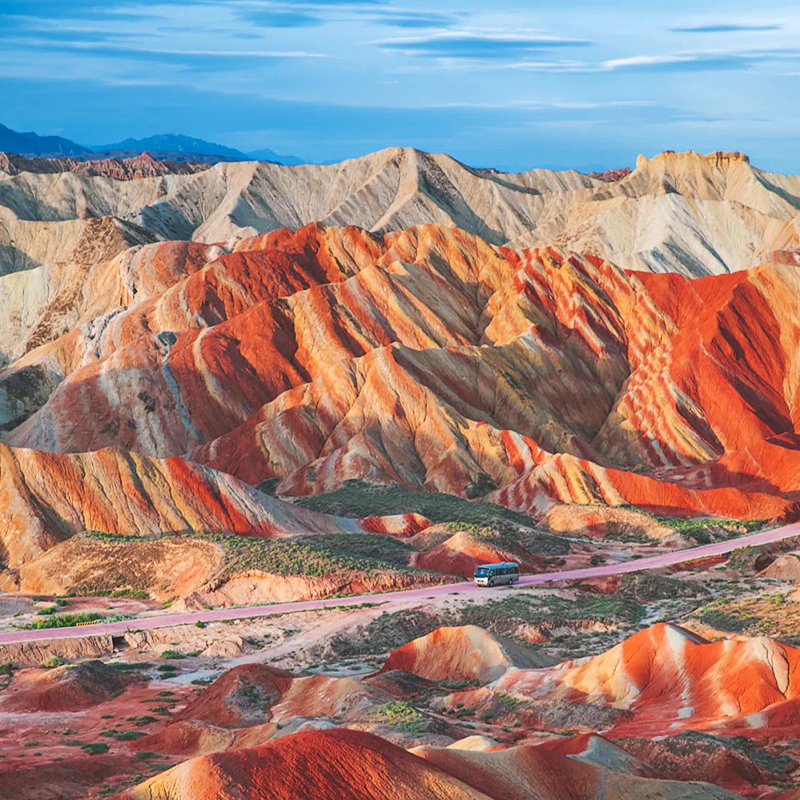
[(481, 572)]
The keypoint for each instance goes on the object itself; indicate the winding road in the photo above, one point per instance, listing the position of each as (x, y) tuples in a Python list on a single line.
[(246, 612)]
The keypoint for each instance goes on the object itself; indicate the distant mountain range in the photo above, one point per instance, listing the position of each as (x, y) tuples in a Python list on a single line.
[(31, 144), (166, 146)]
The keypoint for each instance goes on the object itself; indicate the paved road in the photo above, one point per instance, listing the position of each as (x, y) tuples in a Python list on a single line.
[(636, 565)]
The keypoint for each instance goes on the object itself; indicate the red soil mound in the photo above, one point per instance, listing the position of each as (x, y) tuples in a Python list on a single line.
[(400, 525), (462, 552), (526, 772), (692, 756), (243, 696), (598, 750), (326, 696), (69, 688), (337, 764), (186, 738), (458, 654), (318, 765), (667, 676)]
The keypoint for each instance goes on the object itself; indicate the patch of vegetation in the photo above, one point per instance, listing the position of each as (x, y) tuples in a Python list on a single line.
[(705, 530), (127, 736), (7, 668), (385, 633), (114, 537), (358, 499), (401, 714), (502, 617), (132, 594), (95, 748), (142, 720), (645, 586), (508, 701), (764, 614), (311, 555), (53, 661), (315, 556), (68, 620), (172, 654)]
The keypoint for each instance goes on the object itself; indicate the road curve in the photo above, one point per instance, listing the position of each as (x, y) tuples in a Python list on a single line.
[(223, 614)]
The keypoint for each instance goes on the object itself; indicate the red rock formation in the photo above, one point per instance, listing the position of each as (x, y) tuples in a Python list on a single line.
[(668, 677), (45, 498), (243, 696), (460, 654), (611, 175), (119, 169), (330, 765), (71, 688), (431, 359), (462, 552)]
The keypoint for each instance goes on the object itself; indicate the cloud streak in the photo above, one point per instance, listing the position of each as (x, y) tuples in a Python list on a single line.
[(726, 28), (467, 44)]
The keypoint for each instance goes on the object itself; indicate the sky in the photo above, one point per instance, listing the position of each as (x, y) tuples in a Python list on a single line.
[(512, 85)]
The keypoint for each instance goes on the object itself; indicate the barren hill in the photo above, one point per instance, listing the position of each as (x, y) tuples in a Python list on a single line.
[(684, 212)]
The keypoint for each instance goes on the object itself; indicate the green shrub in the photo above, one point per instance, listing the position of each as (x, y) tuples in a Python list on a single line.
[(95, 748), (67, 620), (127, 736), (53, 661)]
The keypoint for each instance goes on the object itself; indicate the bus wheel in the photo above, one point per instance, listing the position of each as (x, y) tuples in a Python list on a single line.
[(491, 581)]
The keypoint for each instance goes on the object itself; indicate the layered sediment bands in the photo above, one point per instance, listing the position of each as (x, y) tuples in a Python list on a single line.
[(681, 212), (666, 675), (119, 169), (46, 275), (47, 498), (432, 359), (327, 765)]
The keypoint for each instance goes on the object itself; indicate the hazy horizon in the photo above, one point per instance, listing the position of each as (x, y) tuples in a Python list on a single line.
[(514, 88)]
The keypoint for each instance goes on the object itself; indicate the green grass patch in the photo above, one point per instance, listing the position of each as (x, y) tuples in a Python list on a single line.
[(67, 620), (705, 530), (95, 748), (400, 714), (309, 555), (358, 499)]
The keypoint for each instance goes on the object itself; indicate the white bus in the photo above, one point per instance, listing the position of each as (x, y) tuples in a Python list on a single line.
[(496, 574)]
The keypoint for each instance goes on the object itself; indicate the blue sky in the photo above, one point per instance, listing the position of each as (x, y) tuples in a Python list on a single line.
[(505, 84)]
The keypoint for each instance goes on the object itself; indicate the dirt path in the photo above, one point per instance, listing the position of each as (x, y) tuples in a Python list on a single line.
[(219, 615)]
